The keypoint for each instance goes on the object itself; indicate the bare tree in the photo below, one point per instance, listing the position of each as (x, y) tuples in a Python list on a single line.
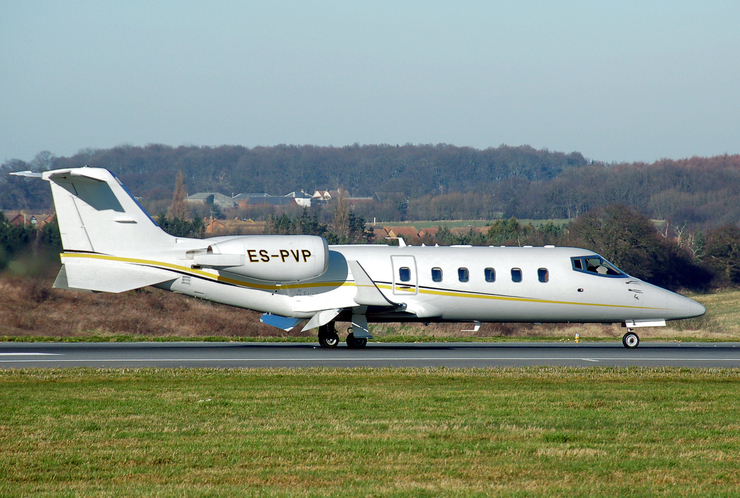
[(178, 209)]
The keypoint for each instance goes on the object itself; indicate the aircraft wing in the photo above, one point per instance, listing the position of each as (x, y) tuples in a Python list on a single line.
[(368, 293)]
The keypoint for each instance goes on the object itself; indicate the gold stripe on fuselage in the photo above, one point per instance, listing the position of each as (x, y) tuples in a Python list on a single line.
[(332, 284)]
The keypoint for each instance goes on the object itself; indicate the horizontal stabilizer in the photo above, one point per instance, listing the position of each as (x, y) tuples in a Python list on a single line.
[(281, 322), (61, 281), (108, 276), (27, 174)]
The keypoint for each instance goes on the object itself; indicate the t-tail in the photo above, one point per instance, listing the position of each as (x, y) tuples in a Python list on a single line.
[(102, 228), (96, 213)]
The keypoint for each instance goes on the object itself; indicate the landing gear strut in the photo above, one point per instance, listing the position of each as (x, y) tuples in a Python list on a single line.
[(630, 340), (328, 337)]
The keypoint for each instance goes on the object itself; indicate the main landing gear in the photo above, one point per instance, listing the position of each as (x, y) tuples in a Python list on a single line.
[(630, 340), (355, 342), (328, 338)]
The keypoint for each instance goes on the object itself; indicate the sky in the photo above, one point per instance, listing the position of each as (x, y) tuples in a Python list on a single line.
[(616, 81)]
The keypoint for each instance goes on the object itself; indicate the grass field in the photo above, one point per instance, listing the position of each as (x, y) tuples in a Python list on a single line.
[(326, 432)]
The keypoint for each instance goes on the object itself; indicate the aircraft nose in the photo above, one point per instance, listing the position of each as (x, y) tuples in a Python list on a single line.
[(678, 307), (694, 309)]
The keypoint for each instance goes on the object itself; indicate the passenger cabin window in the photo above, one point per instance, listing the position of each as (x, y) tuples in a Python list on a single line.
[(490, 275), (543, 275), (437, 274), (596, 265), (516, 274), (463, 275), (404, 274)]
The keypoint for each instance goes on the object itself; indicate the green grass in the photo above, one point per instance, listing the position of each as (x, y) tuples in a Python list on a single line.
[(334, 432)]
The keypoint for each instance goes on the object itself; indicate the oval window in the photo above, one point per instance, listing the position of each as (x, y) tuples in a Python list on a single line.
[(543, 275), (463, 275), (490, 275), (516, 274), (437, 274), (404, 274)]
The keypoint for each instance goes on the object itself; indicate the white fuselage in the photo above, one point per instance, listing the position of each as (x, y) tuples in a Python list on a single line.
[(428, 284)]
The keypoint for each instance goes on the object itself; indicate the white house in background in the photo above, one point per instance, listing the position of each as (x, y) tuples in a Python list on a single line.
[(301, 198)]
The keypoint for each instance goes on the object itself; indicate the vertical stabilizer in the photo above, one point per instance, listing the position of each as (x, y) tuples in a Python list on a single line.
[(97, 214)]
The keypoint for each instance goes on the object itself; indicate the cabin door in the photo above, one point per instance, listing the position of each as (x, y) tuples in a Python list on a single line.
[(404, 275)]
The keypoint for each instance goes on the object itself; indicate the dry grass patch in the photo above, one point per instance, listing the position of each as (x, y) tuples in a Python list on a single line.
[(30, 307)]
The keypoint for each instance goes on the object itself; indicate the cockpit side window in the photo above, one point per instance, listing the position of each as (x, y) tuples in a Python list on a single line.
[(596, 265)]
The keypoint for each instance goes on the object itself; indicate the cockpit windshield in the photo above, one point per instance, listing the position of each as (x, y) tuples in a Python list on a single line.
[(596, 265)]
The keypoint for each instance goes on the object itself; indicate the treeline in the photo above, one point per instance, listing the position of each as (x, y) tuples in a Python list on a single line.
[(697, 191), (18, 241), (395, 172), (414, 182)]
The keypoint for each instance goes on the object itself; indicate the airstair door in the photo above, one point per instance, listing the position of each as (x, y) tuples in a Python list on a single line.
[(405, 280)]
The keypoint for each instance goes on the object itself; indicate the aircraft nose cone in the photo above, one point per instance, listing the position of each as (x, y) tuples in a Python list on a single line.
[(694, 309), (678, 307)]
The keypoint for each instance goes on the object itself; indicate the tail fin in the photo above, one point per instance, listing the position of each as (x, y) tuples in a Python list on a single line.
[(97, 214)]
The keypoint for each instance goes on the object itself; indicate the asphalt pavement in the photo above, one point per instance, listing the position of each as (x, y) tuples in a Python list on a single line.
[(376, 355)]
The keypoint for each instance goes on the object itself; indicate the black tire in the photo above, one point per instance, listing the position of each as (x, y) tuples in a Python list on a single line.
[(329, 341), (630, 340), (355, 342), (328, 337)]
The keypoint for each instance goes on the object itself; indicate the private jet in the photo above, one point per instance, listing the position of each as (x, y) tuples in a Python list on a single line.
[(112, 245)]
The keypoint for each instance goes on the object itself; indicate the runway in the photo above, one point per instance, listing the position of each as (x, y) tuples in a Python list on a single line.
[(375, 355)]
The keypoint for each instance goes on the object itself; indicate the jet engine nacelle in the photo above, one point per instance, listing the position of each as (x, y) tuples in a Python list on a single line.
[(274, 258)]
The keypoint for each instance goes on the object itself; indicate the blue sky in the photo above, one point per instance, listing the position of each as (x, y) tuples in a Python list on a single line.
[(616, 81)]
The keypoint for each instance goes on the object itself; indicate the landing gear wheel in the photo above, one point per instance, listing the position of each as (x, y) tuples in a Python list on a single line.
[(329, 341), (328, 337), (355, 342), (630, 340)]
